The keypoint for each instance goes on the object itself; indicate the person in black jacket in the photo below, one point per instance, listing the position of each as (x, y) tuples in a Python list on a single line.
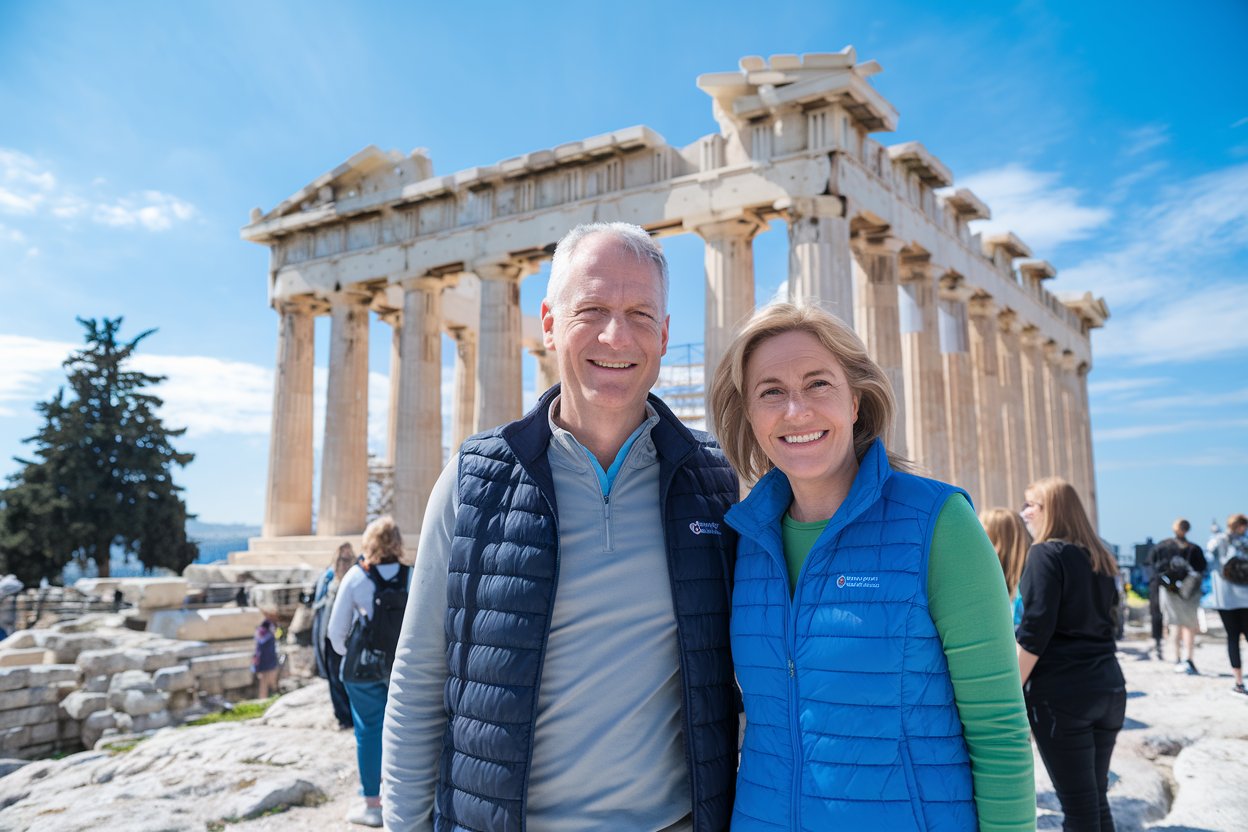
[(1179, 597), (1075, 692)]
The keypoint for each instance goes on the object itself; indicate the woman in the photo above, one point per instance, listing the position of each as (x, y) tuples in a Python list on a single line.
[(264, 661), (379, 571), (329, 660), (1230, 599), (879, 682), (1076, 697), (1009, 537)]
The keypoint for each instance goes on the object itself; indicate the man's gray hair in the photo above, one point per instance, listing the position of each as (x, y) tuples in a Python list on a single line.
[(633, 237)]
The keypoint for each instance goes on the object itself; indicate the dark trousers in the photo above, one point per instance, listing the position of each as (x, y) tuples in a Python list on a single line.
[(1236, 624), (1154, 608), (337, 690), (1075, 734)]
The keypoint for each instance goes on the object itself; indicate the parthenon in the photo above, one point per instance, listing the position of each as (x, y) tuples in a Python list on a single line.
[(989, 368)]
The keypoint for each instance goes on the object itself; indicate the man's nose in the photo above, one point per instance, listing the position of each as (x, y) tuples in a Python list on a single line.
[(615, 332)]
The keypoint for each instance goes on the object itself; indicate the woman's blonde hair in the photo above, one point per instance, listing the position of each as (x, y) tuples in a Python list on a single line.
[(382, 541), (876, 404), (1009, 537), (1063, 518)]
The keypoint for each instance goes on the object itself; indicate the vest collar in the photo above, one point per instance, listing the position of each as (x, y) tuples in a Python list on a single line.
[(758, 515)]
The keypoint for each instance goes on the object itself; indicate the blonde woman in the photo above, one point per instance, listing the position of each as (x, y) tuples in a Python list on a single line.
[(1009, 537), (373, 589), (1076, 696), (870, 625)]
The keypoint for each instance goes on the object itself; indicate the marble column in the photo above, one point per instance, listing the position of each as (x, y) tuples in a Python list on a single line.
[(927, 434), (1013, 432), (1090, 498), (1053, 405), (418, 447), (877, 321), (820, 261), (343, 508), (499, 370), (395, 320), (959, 389), (1072, 426), (1035, 408), (288, 492), (729, 270), (464, 396), (547, 369), (984, 373)]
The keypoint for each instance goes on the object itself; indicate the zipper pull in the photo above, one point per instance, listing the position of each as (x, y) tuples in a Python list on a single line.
[(792, 671)]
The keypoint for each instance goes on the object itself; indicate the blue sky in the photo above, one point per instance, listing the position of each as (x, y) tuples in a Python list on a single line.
[(136, 137)]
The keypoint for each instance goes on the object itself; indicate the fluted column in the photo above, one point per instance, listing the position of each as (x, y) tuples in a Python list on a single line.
[(343, 507), (1013, 431), (418, 447), (1053, 402), (288, 491), (729, 269), (1035, 409), (464, 397), (959, 389), (499, 372), (547, 369), (820, 261), (395, 320), (876, 319), (927, 434), (983, 332), (1090, 497), (1072, 426)]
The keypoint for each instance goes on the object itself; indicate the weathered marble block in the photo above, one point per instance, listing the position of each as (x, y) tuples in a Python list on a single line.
[(28, 696), (222, 624), (235, 679), (178, 677), (137, 703), (153, 593), (23, 658), (32, 715), (12, 678), (109, 662), (80, 704), (66, 647), (221, 662)]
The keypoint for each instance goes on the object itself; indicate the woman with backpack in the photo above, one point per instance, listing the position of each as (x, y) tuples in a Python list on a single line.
[(1075, 692), (1228, 562), (364, 628)]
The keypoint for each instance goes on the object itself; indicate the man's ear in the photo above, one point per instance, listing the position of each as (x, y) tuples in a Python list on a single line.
[(667, 319), (548, 325)]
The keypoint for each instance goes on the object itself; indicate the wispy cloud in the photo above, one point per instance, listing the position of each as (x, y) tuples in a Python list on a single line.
[(28, 189), (1035, 206), (1229, 458), (26, 368), (1146, 138), (1192, 426), (1119, 387)]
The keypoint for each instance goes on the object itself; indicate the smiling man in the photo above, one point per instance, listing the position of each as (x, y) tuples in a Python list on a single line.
[(564, 661)]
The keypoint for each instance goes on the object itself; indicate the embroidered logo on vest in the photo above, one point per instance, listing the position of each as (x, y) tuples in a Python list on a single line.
[(858, 581), (704, 527)]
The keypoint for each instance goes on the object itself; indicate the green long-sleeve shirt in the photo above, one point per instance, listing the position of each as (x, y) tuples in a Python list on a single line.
[(969, 605)]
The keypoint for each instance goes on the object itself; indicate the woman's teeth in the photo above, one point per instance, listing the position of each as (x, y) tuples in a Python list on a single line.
[(803, 438)]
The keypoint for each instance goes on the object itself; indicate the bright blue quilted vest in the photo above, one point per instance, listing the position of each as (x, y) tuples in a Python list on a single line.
[(500, 592), (851, 721)]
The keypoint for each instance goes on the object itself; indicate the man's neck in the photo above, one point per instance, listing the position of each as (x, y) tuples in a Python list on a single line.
[(602, 434)]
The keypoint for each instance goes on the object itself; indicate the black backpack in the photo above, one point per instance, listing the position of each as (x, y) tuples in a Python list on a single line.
[(1175, 572), (373, 642)]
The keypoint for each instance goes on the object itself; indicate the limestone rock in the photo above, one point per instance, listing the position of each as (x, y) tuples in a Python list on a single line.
[(153, 593), (1212, 779), (94, 726), (137, 703), (271, 793), (220, 662), (32, 715), (22, 658), (66, 647), (222, 624), (108, 662), (8, 765), (26, 697), (236, 679), (96, 684), (25, 640)]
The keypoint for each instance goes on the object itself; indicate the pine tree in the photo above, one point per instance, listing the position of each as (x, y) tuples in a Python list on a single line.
[(103, 473)]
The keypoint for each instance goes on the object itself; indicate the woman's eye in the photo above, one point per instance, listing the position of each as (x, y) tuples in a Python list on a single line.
[(773, 393)]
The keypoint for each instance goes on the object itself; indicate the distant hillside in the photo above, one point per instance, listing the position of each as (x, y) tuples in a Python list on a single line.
[(200, 531)]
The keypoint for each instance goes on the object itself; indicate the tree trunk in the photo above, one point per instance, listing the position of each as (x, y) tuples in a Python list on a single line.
[(104, 558)]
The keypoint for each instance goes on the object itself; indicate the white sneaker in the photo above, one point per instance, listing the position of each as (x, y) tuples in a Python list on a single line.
[(365, 815), (1180, 667)]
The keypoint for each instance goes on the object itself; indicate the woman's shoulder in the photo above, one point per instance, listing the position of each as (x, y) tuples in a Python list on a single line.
[(1054, 550)]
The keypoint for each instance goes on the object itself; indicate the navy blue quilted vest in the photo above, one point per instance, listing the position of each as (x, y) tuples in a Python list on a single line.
[(500, 590), (850, 717)]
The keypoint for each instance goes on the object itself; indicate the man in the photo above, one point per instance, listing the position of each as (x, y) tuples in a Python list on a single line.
[(564, 661), (1179, 598)]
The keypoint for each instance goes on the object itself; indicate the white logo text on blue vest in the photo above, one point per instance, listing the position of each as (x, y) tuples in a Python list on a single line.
[(704, 527), (858, 581)]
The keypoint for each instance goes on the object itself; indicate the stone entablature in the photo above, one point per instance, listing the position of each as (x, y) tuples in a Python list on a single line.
[(878, 234)]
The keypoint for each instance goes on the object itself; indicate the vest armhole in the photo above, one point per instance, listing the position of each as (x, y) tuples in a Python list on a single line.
[(947, 493)]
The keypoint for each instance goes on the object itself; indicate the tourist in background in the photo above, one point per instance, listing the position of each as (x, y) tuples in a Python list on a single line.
[(329, 660), (1076, 696), (1228, 560), (359, 616), (870, 625), (264, 661), (1009, 537), (1181, 566)]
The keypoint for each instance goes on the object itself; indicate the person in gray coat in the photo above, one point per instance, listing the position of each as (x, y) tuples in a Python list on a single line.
[(1230, 599)]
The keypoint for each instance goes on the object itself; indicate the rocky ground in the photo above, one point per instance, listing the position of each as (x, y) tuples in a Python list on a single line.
[(1181, 764)]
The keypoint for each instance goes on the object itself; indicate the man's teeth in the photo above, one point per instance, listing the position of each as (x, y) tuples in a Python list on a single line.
[(614, 365), (803, 438)]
